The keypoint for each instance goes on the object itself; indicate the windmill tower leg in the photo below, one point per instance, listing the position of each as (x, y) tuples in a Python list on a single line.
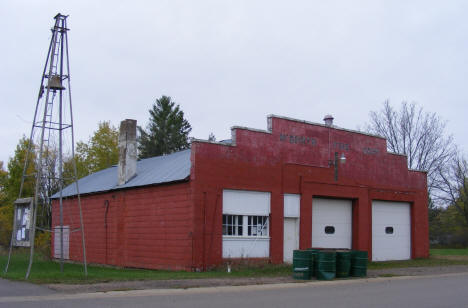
[(52, 125)]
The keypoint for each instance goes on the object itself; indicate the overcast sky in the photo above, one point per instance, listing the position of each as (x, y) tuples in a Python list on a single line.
[(232, 63)]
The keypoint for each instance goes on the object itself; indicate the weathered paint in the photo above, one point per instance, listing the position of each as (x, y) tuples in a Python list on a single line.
[(293, 157), (127, 166), (147, 227), (179, 225)]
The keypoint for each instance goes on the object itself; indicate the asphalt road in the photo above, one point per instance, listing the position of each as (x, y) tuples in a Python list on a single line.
[(16, 288), (424, 291)]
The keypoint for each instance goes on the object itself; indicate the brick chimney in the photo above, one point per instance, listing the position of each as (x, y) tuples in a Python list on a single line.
[(127, 151)]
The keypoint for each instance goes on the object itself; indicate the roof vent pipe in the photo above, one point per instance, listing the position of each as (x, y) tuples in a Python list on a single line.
[(328, 120), (127, 151)]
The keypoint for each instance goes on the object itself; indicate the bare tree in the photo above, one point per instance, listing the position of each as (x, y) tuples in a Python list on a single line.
[(452, 185), (418, 134), (211, 137), (49, 184)]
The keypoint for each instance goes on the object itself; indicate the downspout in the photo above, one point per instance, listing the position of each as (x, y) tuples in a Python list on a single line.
[(301, 183), (106, 204), (213, 226), (204, 231)]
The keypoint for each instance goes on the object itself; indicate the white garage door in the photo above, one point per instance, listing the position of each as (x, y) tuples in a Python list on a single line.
[(331, 223), (391, 231)]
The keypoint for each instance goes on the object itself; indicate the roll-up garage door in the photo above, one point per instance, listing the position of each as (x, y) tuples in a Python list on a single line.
[(331, 223), (391, 231)]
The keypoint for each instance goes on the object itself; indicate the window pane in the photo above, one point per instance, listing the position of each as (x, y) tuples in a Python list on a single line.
[(232, 225), (257, 226)]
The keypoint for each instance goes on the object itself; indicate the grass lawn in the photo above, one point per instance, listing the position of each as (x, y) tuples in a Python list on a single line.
[(415, 263), (46, 271), (436, 259), (449, 252)]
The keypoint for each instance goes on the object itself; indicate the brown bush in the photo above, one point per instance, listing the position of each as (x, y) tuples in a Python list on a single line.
[(42, 243), (6, 224)]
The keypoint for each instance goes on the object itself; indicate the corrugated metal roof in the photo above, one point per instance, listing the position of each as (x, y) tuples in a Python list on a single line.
[(154, 170)]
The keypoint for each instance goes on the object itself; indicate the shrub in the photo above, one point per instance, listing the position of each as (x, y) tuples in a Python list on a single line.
[(42, 243), (6, 224)]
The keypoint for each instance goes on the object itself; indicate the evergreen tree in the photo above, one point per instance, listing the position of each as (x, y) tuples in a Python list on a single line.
[(167, 130)]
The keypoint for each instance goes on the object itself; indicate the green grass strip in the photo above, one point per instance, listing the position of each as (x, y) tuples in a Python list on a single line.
[(449, 252), (47, 271), (415, 263)]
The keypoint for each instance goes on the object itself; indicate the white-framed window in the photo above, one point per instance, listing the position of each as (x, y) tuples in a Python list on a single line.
[(232, 225), (257, 226), (245, 225)]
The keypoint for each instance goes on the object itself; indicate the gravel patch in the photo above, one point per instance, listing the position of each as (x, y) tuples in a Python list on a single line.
[(418, 271), (166, 284)]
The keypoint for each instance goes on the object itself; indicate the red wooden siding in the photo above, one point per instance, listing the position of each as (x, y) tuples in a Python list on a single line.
[(144, 227), (268, 161), (179, 226)]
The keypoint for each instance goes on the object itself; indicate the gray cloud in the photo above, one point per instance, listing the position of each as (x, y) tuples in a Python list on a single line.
[(233, 62)]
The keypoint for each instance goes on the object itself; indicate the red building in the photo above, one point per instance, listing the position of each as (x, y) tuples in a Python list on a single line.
[(261, 194)]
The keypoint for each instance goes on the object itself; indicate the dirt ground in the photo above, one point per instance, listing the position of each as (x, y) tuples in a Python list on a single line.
[(195, 283)]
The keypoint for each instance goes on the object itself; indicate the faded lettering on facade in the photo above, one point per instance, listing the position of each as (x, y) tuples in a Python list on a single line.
[(341, 146), (370, 151), (304, 140)]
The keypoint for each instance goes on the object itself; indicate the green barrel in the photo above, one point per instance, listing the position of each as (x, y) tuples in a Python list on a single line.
[(358, 263), (343, 263), (301, 264), (326, 265), (313, 266)]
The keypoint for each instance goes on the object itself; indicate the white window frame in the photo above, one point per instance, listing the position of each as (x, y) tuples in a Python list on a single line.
[(232, 227), (247, 226), (260, 229), (247, 204)]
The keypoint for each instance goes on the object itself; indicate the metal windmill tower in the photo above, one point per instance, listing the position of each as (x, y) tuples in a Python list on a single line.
[(51, 131)]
